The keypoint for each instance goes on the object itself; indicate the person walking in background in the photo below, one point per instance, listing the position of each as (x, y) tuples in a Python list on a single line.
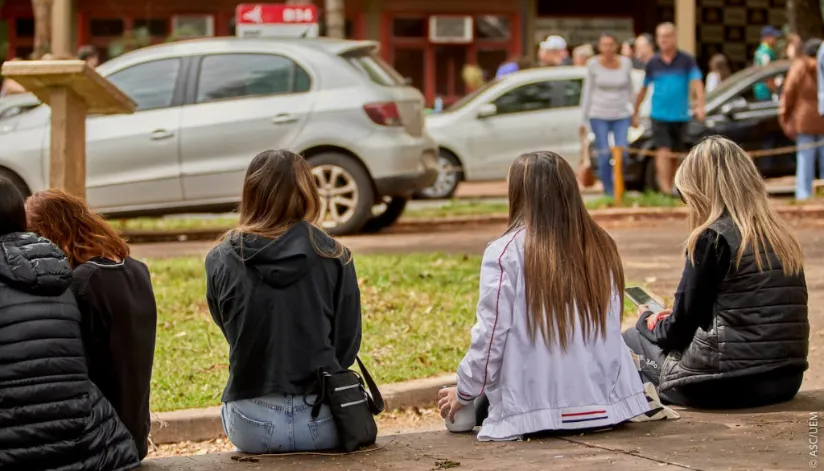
[(819, 58), (513, 66), (550, 309), (800, 118), (644, 51), (553, 52), (11, 87), (794, 48), (89, 54), (674, 76), (582, 54), (738, 332), (765, 54), (116, 300), (628, 49), (607, 103), (719, 71), (286, 297), (52, 416)]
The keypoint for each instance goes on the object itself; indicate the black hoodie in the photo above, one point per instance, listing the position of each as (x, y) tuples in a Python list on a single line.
[(51, 414), (284, 309)]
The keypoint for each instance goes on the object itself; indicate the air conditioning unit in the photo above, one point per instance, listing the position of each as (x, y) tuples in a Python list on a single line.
[(193, 26), (450, 29)]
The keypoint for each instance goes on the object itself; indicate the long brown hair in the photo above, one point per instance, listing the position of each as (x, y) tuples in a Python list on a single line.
[(80, 232), (279, 191), (571, 264), (717, 177)]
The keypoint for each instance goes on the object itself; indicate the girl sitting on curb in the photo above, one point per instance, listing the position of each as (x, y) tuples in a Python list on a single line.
[(737, 335), (547, 350), (116, 300), (285, 295)]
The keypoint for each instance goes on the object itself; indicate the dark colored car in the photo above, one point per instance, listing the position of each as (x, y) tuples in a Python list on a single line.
[(732, 111)]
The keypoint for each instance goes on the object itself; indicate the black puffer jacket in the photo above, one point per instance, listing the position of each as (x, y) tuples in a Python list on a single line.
[(759, 323), (51, 415)]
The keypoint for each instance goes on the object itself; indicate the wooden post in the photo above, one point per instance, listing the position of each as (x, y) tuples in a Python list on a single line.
[(618, 174), (61, 29), (67, 169), (72, 89), (335, 19), (685, 16)]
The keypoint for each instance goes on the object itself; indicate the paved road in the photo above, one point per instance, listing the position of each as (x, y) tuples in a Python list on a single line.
[(653, 256)]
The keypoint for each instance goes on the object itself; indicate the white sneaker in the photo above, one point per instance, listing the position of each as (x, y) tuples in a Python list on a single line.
[(657, 410), (464, 420)]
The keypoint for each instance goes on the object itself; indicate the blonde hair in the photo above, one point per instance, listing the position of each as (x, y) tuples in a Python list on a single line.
[(719, 178), (571, 265), (584, 51)]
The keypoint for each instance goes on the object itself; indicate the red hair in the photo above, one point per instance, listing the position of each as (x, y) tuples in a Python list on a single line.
[(68, 221)]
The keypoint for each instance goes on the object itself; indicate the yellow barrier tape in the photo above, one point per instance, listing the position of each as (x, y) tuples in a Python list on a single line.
[(753, 153)]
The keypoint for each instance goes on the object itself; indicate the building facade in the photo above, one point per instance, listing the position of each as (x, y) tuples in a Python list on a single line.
[(428, 41)]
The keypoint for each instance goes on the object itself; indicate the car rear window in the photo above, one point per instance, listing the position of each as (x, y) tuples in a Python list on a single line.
[(375, 68)]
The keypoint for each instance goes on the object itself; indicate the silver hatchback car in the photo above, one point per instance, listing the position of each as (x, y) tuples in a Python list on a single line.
[(206, 107)]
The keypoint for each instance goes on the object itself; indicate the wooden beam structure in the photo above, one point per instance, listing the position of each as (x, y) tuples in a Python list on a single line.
[(73, 90)]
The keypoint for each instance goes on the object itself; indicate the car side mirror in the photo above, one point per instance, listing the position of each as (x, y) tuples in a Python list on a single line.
[(487, 110), (735, 105)]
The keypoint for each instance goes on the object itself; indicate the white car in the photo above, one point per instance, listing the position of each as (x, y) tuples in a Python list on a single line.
[(480, 135), (206, 107)]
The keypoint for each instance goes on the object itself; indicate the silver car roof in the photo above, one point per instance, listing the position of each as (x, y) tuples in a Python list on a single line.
[(231, 44)]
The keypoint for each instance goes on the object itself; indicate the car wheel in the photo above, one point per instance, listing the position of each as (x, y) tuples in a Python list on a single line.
[(393, 211), (650, 176), (16, 181), (346, 194), (449, 176)]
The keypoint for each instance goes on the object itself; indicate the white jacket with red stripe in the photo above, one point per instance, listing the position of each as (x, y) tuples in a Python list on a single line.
[(532, 387)]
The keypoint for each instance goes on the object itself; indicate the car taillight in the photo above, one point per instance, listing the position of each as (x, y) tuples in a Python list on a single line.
[(385, 114)]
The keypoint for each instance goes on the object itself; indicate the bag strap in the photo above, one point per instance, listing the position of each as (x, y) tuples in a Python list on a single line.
[(376, 404), (321, 396)]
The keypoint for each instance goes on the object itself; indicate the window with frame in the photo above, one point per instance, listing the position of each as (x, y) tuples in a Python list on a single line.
[(540, 96), (151, 85), (225, 76)]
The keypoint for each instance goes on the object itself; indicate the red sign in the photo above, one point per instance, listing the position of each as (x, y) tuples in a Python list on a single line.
[(275, 13)]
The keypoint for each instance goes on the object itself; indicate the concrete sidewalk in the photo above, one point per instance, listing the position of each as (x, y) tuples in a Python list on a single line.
[(774, 438)]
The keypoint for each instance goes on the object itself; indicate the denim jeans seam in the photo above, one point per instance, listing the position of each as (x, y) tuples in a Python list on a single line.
[(267, 426), (269, 406), (314, 428)]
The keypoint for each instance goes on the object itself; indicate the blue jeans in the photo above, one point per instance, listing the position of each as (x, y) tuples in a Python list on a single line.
[(278, 424), (805, 165), (602, 127)]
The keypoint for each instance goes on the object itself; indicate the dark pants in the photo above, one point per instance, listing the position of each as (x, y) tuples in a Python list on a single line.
[(726, 393)]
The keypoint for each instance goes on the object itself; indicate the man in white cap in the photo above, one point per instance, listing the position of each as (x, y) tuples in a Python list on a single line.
[(553, 51)]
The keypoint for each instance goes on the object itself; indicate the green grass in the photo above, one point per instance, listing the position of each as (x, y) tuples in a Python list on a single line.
[(417, 309), (644, 200), (453, 208), (173, 223)]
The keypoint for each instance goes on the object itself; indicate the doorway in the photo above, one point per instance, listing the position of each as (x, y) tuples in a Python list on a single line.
[(449, 64)]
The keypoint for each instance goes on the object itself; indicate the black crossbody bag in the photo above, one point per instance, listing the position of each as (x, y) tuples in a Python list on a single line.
[(353, 407)]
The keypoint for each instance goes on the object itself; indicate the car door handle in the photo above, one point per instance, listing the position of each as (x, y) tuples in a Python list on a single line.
[(284, 118), (161, 134)]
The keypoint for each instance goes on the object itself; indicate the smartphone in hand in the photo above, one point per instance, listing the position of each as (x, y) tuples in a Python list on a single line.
[(641, 298)]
